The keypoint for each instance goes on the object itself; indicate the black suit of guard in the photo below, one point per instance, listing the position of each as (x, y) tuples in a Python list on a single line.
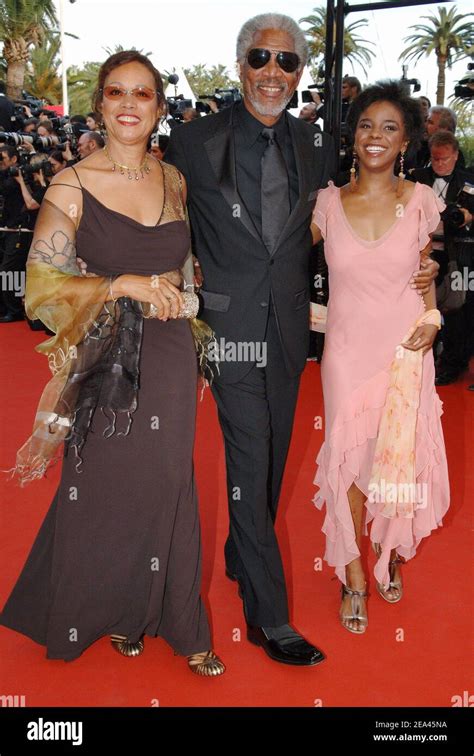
[(253, 295)]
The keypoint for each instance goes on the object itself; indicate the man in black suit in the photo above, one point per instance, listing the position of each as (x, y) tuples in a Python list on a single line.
[(7, 110), (452, 242), (252, 174)]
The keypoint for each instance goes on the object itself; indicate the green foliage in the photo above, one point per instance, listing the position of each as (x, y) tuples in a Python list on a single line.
[(449, 36), (355, 50), (203, 79)]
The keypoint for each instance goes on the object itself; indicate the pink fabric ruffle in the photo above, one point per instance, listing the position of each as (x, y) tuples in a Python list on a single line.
[(347, 457)]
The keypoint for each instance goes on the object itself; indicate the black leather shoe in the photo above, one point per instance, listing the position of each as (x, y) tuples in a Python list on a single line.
[(36, 325), (9, 318), (233, 577), (296, 651)]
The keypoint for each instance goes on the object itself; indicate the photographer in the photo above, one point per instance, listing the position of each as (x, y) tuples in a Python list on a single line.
[(351, 88), (58, 161), (22, 200), (30, 125), (190, 114), (309, 112), (452, 246), (7, 110), (89, 142), (46, 129), (93, 121)]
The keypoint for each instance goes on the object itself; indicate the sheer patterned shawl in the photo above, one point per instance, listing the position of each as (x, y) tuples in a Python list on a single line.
[(94, 352)]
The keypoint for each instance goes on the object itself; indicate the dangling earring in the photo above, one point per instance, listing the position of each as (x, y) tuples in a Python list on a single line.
[(401, 175), (353, 180)]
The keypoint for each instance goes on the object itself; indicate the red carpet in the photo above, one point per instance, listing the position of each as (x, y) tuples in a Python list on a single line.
[(416, 653)]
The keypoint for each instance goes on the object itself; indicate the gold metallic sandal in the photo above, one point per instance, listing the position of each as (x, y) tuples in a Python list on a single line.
[(391, 572), (206, 663), (124, 647), (356, 607)]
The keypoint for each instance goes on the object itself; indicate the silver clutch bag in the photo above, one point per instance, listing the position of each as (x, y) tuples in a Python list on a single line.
[(189, 309)]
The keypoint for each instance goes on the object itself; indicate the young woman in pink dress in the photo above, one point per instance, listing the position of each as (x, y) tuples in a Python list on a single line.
[(383, 460)]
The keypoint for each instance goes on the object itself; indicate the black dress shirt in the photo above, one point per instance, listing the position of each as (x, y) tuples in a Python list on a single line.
[(249, 148)]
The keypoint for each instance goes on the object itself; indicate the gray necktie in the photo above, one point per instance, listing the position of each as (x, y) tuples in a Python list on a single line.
[(274, 191)]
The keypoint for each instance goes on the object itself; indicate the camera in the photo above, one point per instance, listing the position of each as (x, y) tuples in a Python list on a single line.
[(28, 170), (17, 139), (452, 214), (223, 98), (177, 105), (306, 94), (465, 87)]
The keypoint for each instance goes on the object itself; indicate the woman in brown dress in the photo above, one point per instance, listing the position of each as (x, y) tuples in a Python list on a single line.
[(119, 550)]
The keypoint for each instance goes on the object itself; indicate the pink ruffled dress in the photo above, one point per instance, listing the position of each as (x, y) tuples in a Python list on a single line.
[(371, 308)]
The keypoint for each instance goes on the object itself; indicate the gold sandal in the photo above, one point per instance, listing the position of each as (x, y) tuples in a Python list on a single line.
[(206, 663), (124, 647), (391, 572), (356, 607)]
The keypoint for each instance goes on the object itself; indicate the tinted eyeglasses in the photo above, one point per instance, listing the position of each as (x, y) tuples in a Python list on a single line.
[(259, 57), (114, 92)]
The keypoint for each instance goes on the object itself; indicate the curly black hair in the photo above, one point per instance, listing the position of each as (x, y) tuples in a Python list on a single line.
[(391, 91)]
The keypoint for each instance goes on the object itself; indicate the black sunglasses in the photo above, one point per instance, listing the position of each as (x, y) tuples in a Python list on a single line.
[(259, 57)]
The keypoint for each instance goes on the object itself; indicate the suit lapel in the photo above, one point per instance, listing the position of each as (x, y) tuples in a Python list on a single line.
[(221, 153), (453, 188), (304, 157)]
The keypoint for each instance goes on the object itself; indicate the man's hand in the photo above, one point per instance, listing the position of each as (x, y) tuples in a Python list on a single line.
[(422, 279), (67, 154), (316, 97), (40, 178), (467, 216), (198, 277)]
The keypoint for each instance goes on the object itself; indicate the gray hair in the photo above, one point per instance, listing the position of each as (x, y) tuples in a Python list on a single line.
[(447, 117), (94, 136), (272, 21)]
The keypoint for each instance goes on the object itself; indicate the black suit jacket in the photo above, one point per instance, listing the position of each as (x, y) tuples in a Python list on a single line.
[(240, 275), (459, 178), (7, 111)]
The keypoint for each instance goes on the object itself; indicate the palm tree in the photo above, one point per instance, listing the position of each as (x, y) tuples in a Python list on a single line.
[(354, 49), (42, 79), (23, 23), (81, 84), (205, 79), (449, 36), (121, 48)]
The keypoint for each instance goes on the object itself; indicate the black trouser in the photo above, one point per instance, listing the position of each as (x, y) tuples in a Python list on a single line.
[(256, 416), (12, 268), (454, 334)]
